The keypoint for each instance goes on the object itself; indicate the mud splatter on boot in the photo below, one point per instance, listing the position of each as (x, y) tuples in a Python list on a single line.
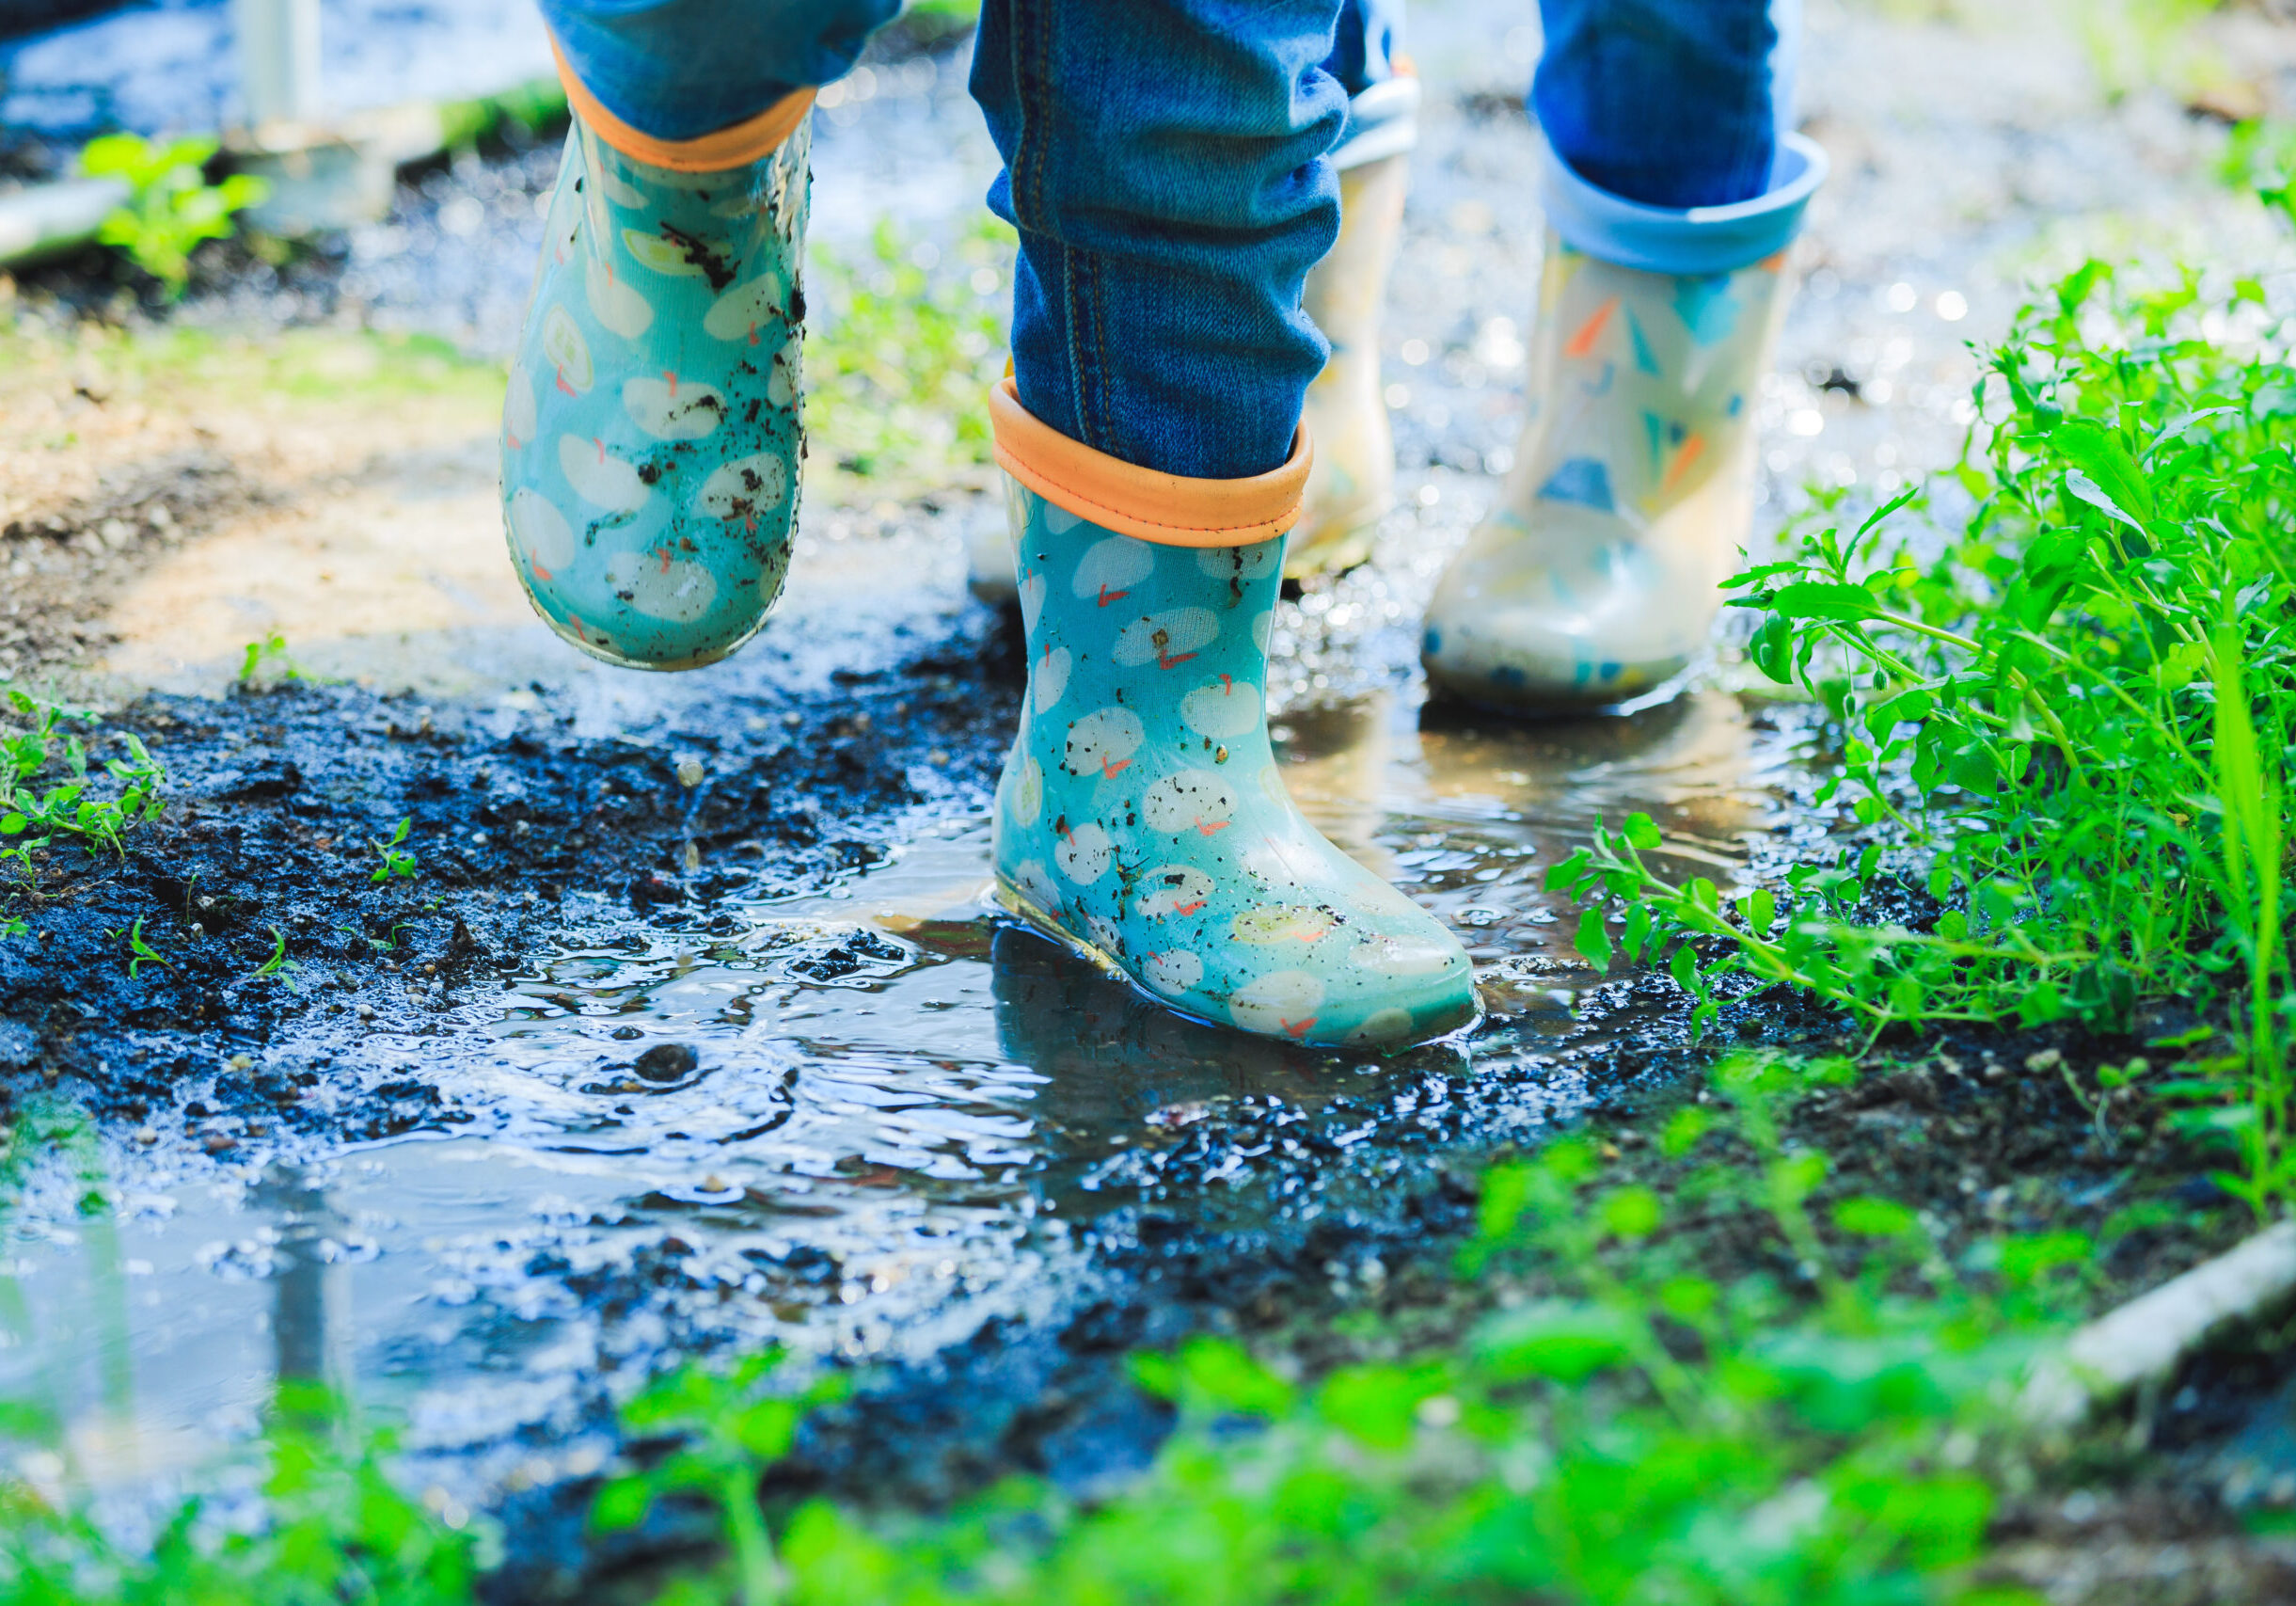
[(650, 435)]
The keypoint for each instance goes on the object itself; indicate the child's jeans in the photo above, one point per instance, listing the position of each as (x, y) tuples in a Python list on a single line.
[(1166, 165)]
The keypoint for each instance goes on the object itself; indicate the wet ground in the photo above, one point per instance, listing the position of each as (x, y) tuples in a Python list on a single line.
[(692, 1029)]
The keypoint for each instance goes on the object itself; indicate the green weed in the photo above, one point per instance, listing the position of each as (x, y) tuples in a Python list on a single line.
[(730, 1431), (397, 864), (2063, 736), (36, 816), (268, 655), (278, 962), (1619, 1426), (172, 208), (140, 952), (335, 1529), (529, 112)]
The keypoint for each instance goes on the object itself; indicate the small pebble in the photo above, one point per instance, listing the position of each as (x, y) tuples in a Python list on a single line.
[(146, 1136), (667, 1062), (242, 1062), (2047, 1060), (690, 772), (366, 1011)]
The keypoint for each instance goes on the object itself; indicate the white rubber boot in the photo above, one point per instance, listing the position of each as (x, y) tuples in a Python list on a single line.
[(1597, 577), (1352, 485)]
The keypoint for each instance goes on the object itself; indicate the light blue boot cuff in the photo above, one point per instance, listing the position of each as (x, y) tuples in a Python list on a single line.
[(1381, 121), (1700, 240)]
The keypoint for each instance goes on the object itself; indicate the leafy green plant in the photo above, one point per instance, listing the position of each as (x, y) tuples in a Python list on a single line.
[(172, 208), (731, 1431), (397, 864), (530, 111), (2062, 734), (901, 357), (336, 1528), (1625, 1428), (36, 816)]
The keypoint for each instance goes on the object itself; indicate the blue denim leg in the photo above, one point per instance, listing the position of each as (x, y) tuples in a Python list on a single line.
[(1367, 44), (1166, 165), (680, 68), (1672, 104)]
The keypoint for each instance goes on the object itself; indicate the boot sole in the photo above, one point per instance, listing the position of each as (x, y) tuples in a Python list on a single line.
[(1529, 701), (1016, 903)]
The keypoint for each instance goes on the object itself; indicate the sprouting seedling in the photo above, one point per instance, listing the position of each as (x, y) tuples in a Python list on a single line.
[(13, 926), (271, 651), (279, 960), (396, 865), (141, 953)]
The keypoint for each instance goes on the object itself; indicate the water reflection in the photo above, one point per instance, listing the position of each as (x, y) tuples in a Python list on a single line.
[(311, 1282)]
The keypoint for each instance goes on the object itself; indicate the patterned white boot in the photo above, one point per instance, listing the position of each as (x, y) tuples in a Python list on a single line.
[(1597, 577), (1352, 484)]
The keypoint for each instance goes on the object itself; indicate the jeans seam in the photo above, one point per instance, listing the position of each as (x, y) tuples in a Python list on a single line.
[(1103, 424)]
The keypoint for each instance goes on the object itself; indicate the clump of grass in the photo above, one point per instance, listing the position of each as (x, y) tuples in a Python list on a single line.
[(523, 114), (901, 360), (2065, 735), (1624, 1427), (731, 1428)]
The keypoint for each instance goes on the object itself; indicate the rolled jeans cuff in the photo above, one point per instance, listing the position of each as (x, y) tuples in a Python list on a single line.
[(1696, 240)]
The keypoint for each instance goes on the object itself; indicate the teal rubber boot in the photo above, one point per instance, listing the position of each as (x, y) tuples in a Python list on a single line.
[(650, 437), (1142, 819)]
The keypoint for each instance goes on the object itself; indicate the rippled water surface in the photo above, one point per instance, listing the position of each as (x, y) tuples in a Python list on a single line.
[(860, 1122)]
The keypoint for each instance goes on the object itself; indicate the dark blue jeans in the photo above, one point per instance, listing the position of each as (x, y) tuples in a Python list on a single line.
[(1166, 166)]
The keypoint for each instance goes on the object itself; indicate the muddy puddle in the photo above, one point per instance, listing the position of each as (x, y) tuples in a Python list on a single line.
[(868, 1123), (849, 1111)]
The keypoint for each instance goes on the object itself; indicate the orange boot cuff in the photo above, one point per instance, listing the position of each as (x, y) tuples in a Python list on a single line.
[(752, 139), (1166, 509)]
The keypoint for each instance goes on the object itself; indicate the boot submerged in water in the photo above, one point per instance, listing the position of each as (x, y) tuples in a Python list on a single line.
[(1141, 818), (650, 435), (1597, 577)]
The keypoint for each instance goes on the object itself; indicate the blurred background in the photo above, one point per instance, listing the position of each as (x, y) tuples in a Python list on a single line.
[(367, 175)]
